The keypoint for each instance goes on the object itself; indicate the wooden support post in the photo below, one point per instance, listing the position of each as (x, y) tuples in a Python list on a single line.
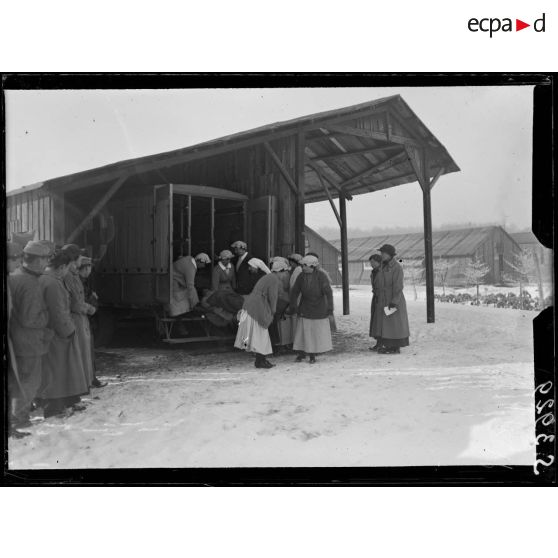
[(96, 208), (300, 162), (344, 255), (428, 254)]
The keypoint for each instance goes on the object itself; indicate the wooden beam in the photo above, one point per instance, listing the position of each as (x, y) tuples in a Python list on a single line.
[(436, 177), (417, 159), (324, 186), (344, 256), (284, 173), (355, 152), (381, 136), (96, 208), (300, 162), (331, 181), (387, 163)]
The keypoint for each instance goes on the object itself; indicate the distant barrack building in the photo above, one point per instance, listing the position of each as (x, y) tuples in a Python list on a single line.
[(491, 245), (329, 255)]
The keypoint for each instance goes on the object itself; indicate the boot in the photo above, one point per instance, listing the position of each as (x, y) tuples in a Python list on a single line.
[(312, 359), (96, 383), (376, 347), (262, 362), (300, 357)]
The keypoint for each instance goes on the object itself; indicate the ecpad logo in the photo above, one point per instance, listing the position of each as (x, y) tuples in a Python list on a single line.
[(492, 25)]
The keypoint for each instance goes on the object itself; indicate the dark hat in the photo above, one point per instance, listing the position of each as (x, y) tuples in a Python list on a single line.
[(72, 251), (388, 249), (40, 248)]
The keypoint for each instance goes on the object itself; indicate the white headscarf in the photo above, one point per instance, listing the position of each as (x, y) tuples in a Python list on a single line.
[(279, 264), (203, 258), (239, 244), (310, 261), (258, 264)]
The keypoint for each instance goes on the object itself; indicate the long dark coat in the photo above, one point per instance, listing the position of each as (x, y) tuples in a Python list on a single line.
[(80, 311), (390, 291), (245, 279), (63, 364), (375, 310), (29, 316)]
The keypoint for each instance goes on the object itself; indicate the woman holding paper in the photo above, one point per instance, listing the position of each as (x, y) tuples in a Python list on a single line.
[(391, 305)]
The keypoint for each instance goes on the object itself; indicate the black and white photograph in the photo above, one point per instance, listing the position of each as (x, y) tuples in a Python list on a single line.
[(269, 277)]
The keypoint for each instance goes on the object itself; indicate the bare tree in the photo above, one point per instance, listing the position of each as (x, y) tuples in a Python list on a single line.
[(475, 271), (414, 271), (442, 267)]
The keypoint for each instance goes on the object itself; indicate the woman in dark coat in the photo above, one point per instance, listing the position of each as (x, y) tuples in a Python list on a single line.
[(394, 330), (375, 312), (313, 332), (64, 377), (224, 276)]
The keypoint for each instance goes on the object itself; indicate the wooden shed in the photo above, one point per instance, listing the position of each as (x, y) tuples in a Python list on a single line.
[(136, 215), (329, 255), (491, 245)]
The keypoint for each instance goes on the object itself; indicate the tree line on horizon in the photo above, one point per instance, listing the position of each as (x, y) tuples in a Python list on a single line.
[(332, 233)]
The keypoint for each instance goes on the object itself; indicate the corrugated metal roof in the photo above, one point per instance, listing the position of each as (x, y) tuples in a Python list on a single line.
[(445, 244), (374, 129)]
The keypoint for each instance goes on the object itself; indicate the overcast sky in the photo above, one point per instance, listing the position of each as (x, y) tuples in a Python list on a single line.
[(487, 131)]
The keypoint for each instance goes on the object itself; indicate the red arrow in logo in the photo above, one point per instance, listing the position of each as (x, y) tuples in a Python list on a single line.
[(519, 25)]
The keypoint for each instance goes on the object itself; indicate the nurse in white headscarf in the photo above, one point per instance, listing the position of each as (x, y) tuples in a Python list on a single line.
[(257, 315), (184, 296), (315, 305)]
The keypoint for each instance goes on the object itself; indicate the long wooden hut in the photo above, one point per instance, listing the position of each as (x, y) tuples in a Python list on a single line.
[(491, 245), (137, 214)]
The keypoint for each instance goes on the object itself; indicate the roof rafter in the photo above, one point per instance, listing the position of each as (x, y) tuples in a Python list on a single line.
[(381, 136), (383, 165)]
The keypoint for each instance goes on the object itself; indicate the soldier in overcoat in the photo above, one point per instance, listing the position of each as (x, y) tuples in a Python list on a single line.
[(80, 310), (394, 330), (65, 379), (28, 331)]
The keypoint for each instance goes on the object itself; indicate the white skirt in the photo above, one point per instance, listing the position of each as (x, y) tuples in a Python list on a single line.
[(251, 336), (287, 328), (312, 336)]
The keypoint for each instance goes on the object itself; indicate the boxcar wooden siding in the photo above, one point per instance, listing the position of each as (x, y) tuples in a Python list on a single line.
[(30, 211)]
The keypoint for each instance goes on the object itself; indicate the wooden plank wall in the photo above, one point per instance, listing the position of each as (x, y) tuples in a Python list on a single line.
[(251, 172), (30, 211)]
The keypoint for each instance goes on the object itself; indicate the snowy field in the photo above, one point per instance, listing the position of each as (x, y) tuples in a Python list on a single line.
[(461, 394)]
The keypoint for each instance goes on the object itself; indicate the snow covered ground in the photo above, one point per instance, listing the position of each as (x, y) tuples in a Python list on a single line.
[(461, 394)]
